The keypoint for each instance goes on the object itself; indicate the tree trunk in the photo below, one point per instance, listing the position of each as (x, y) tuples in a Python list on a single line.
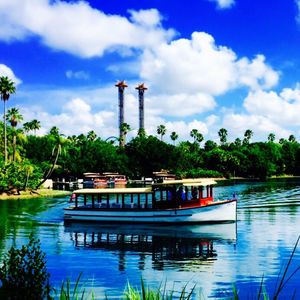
[(5, 138), (58, 147), (14, 147)]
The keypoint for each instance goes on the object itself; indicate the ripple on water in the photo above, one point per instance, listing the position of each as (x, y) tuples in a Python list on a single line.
[(261, 247)]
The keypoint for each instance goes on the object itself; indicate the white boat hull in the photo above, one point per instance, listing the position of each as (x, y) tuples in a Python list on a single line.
[(224, 211)]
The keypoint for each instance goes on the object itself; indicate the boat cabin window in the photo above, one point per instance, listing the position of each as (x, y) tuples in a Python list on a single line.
[(118, 199), (160, 196), (177, 195)]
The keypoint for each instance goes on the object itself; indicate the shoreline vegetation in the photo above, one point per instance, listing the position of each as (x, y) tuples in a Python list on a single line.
[(29, 159), (40, 193), (48, 192)]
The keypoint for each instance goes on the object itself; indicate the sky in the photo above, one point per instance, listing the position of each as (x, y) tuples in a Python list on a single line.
[(208, 64)]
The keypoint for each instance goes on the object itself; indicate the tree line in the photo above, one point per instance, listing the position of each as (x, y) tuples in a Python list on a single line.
[(27, 159)]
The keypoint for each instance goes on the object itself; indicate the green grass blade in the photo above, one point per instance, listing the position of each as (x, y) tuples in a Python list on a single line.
[(285, 271), (260, 287)]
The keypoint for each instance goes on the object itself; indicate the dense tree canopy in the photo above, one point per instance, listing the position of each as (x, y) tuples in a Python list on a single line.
[(27, 160), (34, 158)]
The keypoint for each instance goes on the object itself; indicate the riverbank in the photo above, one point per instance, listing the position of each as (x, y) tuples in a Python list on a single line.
[(35, 194)]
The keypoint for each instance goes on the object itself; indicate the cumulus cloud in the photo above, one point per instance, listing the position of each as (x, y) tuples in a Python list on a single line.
[(199, 65), (222, 4), (181, 105), (8, 72), (237, 124), (186, 75), (77, 75), (266, 112), (77, 28), (76, 117), (282, 108)]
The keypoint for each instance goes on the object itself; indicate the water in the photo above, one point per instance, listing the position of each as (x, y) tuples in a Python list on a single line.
[(210, 258)]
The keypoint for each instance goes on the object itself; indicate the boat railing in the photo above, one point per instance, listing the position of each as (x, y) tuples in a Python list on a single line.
[(168, 195)]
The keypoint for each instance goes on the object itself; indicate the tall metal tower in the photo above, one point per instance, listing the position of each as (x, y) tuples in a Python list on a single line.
[(141, 89), (121, 85)]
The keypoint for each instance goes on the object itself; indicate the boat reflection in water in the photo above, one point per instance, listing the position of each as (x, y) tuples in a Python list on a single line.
[(165, 245)]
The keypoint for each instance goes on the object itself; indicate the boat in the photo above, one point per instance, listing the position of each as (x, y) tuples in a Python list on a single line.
[(97, 180), (163, 175), (171, 201), (92, 180), (115, 179)]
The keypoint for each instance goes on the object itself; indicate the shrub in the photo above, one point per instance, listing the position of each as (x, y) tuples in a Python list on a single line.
[(23, 274)]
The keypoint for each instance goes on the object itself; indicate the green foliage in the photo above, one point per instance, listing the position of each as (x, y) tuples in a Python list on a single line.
[(16, 175), (161, 130), (7, 87), (23, 274), (160, 293), (148, 154), (55, 155), (223, 135), (199, 173), (78, 291)]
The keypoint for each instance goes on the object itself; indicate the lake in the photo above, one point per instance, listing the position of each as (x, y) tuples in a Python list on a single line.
[(210, 258)]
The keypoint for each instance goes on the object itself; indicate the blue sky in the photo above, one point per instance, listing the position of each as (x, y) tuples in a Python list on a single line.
[(208, 64)]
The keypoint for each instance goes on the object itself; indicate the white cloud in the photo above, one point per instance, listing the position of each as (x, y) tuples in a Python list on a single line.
[(77, 75), (222, 4), (183, 129), (200, 66), (266, 112), (181, 105), (282, 108), (8, 72), (148, 18), (256, 74), (237, 124), (76, 117), (77, 28)]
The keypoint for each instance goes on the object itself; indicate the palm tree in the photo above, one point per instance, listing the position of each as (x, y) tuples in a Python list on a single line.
[(27, 126), (238, 142), (174, 136), (54, 131), (35, 125), (32, 125), (194, 133), (248, 135), (142, 132), (161, 130), (13, 116), (59, 143), (271, 137), (292, 138), (281, 141), (7, 88), (125, 128), (91, 136), (223, 135)]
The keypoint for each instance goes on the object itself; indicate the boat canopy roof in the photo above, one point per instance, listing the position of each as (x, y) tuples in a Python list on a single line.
[(113, 191), (188, 182)]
